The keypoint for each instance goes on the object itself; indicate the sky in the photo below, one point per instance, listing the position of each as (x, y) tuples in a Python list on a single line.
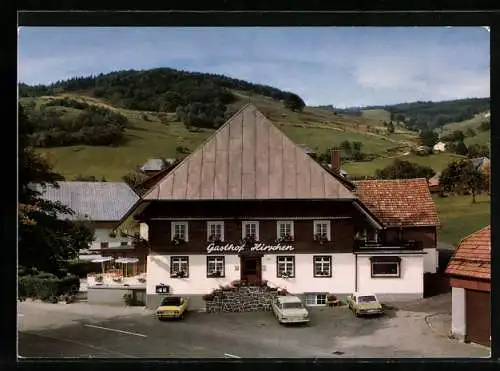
[(341, 66)]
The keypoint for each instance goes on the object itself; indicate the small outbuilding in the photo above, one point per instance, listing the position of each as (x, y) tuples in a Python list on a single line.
[(470, 277)]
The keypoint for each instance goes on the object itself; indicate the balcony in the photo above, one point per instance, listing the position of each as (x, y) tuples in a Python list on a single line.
[(361, 244)]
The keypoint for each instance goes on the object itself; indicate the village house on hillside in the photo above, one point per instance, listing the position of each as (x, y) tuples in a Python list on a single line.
[(439, 147), (249, 204), (470, 277), (434, 183), (103, 204), (481, 163), (155, 165)]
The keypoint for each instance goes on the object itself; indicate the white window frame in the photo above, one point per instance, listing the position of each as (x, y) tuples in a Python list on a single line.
[(213, 223), (324, 260), (219, 263), (244, 227), (328, 228), (179, 260), (316, 297), (396, 275), (279, 223), (186, 230), (287, 260), (375, 235)]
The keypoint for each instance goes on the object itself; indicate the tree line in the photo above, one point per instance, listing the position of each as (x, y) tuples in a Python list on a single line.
[(199, 98), (93, 125)]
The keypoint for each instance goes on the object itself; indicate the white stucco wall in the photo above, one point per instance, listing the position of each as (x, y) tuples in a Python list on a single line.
[(458, 311), (431, 260), (158, 271), (410, 282), (102, 235), (341, 282)]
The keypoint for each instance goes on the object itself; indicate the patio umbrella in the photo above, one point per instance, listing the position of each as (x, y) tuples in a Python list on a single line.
[(102, 260), (127, 261)]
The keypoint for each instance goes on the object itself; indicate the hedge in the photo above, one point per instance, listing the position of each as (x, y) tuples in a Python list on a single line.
[(46, 286)]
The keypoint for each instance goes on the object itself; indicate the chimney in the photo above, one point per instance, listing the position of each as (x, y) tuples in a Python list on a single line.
[(336, 160)]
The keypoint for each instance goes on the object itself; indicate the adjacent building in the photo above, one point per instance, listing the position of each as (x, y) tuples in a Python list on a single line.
[(249, 204), (103, 204), (470, 277)]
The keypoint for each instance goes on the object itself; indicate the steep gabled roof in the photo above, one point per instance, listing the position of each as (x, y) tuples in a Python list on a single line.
[(472, 258), (97, 201), (248, 158), (399, 202)]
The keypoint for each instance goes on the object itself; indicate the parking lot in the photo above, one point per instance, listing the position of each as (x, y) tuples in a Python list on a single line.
[(333, 332)]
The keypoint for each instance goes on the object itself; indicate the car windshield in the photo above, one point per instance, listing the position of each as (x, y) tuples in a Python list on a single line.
[(173, 301), (367, 299), (292, 305)]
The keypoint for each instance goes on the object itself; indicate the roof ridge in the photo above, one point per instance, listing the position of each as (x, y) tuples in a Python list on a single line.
[(201, 145), (329, 186), (473, 234)]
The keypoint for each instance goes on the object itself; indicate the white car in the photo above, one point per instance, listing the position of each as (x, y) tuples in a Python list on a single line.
[(289, 309)]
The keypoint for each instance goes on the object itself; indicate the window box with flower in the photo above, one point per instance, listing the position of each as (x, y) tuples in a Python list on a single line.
[(286, 238), (215, 238), (215, 274), (177, 240), (322, 238), (179, 274)]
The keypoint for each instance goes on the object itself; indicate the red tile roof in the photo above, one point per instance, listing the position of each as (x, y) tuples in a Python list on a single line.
[(399, 202), (473, 256)]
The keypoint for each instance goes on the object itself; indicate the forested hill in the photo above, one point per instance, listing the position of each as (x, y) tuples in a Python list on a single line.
[(201, 99), (427, 115)]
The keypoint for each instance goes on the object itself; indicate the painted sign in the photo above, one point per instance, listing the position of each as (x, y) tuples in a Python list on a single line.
[(230, 247)]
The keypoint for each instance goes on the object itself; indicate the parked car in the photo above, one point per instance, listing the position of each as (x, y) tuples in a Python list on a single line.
[(364, 304), (172, 307), (289, 309)]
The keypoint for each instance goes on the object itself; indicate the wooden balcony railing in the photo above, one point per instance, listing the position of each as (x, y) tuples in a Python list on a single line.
[(407, 244)]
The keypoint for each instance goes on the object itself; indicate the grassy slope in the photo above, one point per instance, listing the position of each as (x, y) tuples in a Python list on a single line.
[(464, 125), (480, 138), (460, 217), (436, 161), (377, 114), (316, 128)]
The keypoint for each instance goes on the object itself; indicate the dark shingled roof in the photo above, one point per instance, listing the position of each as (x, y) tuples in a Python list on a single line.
[(98, 201)]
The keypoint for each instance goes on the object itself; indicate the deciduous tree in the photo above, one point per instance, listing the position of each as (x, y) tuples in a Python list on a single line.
[(45, 240)]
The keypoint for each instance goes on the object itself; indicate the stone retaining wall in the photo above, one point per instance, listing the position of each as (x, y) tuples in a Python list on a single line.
[(241, 299)]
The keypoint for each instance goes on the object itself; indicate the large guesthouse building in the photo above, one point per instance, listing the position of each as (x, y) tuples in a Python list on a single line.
[(249, 204)]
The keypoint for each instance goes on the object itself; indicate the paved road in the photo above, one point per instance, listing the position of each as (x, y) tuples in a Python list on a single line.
[(333, 332)]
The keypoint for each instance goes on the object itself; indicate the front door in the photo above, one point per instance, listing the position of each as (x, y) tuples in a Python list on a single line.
[(251, 269)]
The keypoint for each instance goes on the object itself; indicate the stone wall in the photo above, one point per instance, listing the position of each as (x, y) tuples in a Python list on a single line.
[(241, 299)]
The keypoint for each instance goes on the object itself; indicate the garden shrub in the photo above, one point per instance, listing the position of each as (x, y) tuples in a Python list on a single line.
[(46, 286)]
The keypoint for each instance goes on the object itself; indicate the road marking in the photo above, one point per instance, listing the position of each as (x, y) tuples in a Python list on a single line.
[(115, 330), (231, 355), (80, 344)]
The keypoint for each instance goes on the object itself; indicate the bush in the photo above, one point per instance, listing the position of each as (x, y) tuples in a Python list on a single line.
[(46, 286)]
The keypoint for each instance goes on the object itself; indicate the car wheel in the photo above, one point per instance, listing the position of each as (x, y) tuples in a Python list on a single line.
[(181, 317)]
